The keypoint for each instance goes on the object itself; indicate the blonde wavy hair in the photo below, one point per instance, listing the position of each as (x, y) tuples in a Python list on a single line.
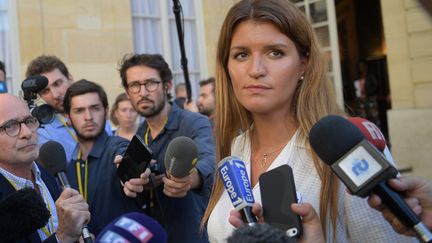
[(313, 98)]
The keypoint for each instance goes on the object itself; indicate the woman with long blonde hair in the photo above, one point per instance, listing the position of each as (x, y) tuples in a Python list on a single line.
[(271, 87)]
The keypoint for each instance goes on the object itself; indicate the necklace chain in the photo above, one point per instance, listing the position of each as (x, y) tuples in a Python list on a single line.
[(263, 162)]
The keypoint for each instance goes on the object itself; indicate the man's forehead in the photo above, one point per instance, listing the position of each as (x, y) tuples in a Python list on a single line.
[(11, 107)]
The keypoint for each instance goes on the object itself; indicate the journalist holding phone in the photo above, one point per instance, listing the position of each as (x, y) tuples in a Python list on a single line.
[(92, 171)]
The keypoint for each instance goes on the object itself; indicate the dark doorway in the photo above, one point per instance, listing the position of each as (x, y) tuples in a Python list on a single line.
[(363, 60)]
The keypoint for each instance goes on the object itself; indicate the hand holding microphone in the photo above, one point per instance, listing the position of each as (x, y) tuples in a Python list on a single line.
[(236, 182), (360, 166), (72, 209), (417, 192), (180, 159)]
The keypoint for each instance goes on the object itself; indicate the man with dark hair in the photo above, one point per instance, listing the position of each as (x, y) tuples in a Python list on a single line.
[(177, 203), (92, 170), (206, 101), (18, 151), (59, 80)]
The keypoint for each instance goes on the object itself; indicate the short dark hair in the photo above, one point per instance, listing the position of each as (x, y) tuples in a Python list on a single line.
[(155, 61), (83, 87), (210, 80), (45, 63), (3, 68)]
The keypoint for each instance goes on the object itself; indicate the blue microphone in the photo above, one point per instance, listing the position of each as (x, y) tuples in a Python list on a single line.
[(133, 227), (235, 179)]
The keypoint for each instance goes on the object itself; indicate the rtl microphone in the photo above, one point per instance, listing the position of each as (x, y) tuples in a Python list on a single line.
[(133, 227), (361, 167), (235, 179), (371, 132), (53, 156), (22, 213), (181, 156)]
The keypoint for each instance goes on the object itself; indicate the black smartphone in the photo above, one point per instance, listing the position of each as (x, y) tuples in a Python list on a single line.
[(135, 160), (277, 194)]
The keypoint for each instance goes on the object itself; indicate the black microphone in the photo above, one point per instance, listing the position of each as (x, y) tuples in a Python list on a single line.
[(234, 176), (22, 213), (53, 156), (361, 167), (31, 86), (259, 233), (181, 156)]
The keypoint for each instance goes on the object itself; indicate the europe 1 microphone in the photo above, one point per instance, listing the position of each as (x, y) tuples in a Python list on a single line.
[(233, 173), (53, 156), (361, 167)]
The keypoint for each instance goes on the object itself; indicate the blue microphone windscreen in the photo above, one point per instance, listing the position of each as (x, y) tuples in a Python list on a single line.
[(134, 228)]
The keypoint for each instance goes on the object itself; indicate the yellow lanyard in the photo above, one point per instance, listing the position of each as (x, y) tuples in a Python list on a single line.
[(67, 127), (146, 138), (82, 191), (45, 229)]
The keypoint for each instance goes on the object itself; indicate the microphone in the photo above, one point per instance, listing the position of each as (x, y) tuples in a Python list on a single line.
[(33, 85), (53, 156), (361, 167), (371, 132), (234, 176), (181, 156), (22, 213), (259, 233), (133, 227)]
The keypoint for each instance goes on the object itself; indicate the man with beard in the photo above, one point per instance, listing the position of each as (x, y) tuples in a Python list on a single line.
[(206, 100), (59, 80), (92, 171), (177, 203)]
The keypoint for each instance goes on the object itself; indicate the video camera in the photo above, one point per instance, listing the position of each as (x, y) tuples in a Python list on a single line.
[(31, 87)]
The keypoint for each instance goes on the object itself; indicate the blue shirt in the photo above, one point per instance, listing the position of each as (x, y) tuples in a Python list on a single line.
[(181, 217), (106, 198), (57, 131)]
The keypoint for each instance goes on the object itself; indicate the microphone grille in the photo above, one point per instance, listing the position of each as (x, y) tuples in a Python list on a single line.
[(53, 157), (180, 156), (332, 137)]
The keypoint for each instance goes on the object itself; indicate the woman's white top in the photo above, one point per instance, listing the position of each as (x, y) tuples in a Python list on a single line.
[(356, 222)]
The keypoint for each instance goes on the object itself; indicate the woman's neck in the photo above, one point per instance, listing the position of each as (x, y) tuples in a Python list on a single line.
[(272, 131)]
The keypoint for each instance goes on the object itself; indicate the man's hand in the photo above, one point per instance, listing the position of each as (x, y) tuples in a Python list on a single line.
[(179, 187), (417, 194), (134, 185), (72, 211)]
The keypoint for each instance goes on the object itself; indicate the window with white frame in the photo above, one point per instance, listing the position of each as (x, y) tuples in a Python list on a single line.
[(9, 44), (155, 31)]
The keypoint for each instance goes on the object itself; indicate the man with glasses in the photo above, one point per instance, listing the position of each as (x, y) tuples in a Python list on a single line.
[(59, 80), (18, 150), (177, 203)]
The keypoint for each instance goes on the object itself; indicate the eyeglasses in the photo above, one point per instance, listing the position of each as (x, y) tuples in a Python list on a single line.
[(150, 86), (13, 127)]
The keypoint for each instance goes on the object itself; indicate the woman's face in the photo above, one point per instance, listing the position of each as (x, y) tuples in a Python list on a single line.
[(125, 113), (264, 67)]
